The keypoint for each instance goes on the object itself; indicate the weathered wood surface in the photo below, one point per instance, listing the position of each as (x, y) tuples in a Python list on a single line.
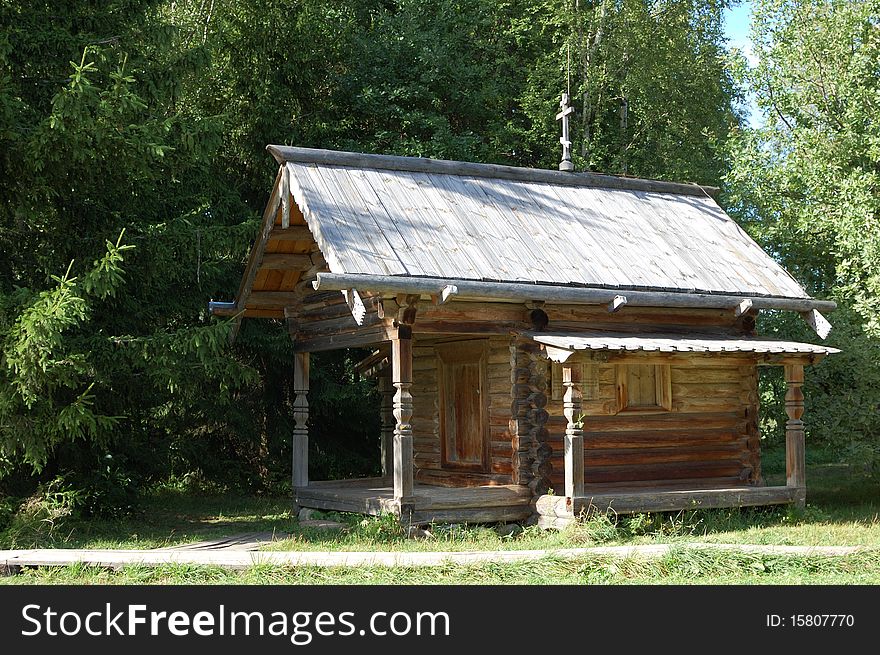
[(677, 343), (427, 414), (284, 154), (416, 218), (464, 420), (300, 446), (663, 500), (401, 377), (712, 434), (573, 450), (795, 466), (429, 502), (432, 284), (386, 415), (532, 452)]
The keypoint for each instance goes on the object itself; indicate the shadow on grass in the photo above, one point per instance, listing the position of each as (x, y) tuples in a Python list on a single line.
[(843, 504)]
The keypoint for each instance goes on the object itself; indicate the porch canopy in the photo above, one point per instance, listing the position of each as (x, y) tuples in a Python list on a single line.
[(561, 346)]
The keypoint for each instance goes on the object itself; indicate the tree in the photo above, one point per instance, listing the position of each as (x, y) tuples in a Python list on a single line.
[(807, 185)]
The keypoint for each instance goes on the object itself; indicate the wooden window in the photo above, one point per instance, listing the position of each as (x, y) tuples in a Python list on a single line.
[(463, 396), (644, 388)]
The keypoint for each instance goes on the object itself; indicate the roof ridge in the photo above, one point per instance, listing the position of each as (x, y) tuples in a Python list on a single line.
[(284, 154)]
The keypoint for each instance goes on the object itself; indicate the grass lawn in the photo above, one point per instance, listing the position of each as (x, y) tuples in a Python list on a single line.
[(843, 508)]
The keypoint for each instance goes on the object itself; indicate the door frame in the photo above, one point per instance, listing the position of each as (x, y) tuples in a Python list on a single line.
[(466, 351)]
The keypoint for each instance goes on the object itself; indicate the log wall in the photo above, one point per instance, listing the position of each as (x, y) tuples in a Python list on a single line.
[(710, 437)]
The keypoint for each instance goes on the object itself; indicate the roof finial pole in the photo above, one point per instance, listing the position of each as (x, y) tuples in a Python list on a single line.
[(565, 164)]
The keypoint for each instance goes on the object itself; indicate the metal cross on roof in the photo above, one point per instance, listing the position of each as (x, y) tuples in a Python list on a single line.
[(565, 164)]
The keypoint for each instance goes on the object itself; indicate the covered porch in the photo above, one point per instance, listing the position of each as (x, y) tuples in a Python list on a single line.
[(576, 352)]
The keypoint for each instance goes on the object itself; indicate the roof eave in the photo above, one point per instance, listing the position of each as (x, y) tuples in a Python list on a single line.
[(525, 292)]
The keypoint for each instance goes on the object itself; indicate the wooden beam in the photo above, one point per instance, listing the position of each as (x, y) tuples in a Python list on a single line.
[(289, 261), (795, 466), (447, 292), (301, 419), (573, 445), (522, 292), (292, 233), (617, 303), (355, 305), (401, 367), (819, 323), (662, 500), (285, 198), (253, 264), (743, 308), (284, 154), (386, 412), (368, 337)]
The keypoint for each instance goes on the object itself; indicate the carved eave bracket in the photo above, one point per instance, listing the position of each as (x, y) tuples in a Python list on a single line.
[(406, 313)]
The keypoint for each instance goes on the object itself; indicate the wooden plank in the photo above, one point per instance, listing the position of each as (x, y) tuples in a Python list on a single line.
[(716, 468), (666, 501), (256, 254), (665, 421), (292, 233), (277, 261), (484, 515), (735, 451), (460, 479), (372, 337), (664, 439)]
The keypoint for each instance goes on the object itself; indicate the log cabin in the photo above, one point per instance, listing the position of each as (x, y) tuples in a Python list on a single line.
[(545, 342)]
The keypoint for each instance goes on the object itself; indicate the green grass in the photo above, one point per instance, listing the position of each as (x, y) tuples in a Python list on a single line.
[(843, 509), (679, 567)]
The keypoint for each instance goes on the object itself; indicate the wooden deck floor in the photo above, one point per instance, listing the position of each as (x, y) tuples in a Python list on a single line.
[(487, 504), (556, 511)]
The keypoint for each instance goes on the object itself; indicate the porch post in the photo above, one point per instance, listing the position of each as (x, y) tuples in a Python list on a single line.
[(574, 433), (795, 468), (301, 419), (401, 362), (386, 411)]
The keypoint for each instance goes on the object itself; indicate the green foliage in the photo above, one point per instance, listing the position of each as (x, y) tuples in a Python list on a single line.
[(46, 378), (805, 183)]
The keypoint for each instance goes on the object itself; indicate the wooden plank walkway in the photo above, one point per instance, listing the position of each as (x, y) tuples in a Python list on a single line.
[(11, 560)]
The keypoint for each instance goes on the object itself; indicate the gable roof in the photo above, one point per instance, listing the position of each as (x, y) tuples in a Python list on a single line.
[(378, 215)]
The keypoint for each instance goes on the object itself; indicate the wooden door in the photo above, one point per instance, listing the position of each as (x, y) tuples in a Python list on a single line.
[(464, 415)]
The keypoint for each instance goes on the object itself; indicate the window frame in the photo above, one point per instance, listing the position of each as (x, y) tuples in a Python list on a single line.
[(662, 391)]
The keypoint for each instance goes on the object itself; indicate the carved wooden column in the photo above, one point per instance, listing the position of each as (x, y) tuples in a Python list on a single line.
[(301, 419), (572, 408), (386, 410), (795, 468), (401, 362)]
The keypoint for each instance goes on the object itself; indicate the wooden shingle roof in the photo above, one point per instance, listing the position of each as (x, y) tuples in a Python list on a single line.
[(400, 216)]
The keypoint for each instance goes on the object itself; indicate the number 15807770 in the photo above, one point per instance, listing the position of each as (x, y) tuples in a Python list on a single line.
[(811, 621)]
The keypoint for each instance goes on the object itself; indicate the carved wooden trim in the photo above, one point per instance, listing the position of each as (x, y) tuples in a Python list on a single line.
[(300, 450), (401, 358), (572, 408), (795, 467)]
